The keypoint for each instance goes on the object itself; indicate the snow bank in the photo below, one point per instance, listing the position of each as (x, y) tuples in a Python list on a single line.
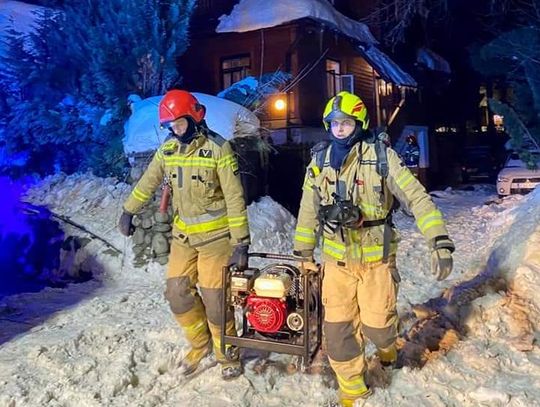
[(113, 342), (517, 253), (249, 15), (143, 133), (17, 15), (271, 227)]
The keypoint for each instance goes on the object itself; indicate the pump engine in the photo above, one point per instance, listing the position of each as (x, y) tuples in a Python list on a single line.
[(280, 307)]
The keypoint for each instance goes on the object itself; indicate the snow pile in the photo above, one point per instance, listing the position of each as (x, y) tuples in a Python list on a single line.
[(17, 15), (496, 361), (253, 93), (92, 201), (249, 15), (112, 341), (271, 227), (517, 253), (143, 132)]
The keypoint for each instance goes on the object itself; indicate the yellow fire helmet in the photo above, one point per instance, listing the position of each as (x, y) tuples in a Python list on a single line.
[(345, 105)]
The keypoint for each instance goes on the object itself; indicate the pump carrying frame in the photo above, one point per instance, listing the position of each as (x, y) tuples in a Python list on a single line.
[(310, 338)]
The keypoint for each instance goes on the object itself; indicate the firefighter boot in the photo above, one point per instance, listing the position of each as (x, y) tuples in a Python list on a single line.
[(192, 360), (196, 331), (388, 356), (352, 390), (231, 366)]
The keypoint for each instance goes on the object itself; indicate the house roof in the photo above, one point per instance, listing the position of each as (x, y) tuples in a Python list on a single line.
[(250, 15), (386, 68), (432, 60)]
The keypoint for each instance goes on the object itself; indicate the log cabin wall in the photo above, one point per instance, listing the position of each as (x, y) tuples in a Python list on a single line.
[(201, 65), (312, 92), (268, 50)]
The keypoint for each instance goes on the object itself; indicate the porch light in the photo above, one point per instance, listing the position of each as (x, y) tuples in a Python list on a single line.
[(280, 104)]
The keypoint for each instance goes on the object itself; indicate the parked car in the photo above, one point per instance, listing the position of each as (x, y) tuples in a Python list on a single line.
[(478, 163), (516, 178)]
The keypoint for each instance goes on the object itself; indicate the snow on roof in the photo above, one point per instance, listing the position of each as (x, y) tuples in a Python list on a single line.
[(17, 15), (249, 15), (142, 131), (432, 60), (388, 69)]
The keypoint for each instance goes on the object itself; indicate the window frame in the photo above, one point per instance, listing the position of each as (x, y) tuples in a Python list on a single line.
[(333, 76), (244, 70)]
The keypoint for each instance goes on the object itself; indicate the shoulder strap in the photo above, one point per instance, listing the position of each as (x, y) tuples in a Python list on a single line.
[(382, 158), (383, 170), (216, 138), (319, 151)]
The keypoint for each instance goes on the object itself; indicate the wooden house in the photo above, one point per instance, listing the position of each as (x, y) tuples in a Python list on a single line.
[(324, 50)]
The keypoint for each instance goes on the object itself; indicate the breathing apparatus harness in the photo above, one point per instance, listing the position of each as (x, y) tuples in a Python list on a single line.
[(343, 213)]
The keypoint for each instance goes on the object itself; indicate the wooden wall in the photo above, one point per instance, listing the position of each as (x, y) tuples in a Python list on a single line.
[(268, 48)]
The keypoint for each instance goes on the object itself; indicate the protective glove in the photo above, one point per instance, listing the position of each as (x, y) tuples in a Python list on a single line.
[(441, 257), (307, 263), (239, 257), (125, 225)]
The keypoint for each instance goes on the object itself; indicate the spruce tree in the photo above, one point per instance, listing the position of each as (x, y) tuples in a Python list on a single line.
[(81, 62), (514, 55)]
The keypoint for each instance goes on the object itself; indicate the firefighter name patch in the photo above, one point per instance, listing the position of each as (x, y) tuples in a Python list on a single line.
[(205, 153)]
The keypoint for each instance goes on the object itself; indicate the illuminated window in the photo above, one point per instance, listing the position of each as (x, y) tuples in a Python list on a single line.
[(384, 88)]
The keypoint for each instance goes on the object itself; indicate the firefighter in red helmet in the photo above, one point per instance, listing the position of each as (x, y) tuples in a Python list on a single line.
[(210, 226)]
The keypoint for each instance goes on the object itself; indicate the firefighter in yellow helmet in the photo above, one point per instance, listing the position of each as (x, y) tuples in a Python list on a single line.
[(348, 195), (210, 227)]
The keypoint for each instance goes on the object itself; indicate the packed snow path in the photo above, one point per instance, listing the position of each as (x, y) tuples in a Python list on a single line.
[(112, 341)]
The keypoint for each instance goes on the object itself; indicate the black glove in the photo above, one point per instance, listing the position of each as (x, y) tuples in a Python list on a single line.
[(239, 257), (125, 225), (441, 257)]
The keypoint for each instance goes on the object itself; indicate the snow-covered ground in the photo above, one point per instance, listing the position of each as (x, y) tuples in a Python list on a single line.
[(113, 342)]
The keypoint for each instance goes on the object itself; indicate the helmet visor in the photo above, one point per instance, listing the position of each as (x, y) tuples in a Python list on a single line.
[(165, 125), (338, 115)]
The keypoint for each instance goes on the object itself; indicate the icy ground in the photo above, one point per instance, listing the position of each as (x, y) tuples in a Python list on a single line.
[(112, 341)]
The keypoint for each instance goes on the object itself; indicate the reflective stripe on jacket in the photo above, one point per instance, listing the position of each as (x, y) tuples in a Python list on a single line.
[(207, 196), (358, 180)]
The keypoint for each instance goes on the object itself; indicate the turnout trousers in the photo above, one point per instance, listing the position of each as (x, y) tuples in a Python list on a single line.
[(359, 301), (194, 292)]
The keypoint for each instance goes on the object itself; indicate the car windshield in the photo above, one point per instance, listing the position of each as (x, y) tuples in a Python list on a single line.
[(515, 162)]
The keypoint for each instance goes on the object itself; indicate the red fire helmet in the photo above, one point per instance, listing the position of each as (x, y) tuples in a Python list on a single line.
[(180, 103)]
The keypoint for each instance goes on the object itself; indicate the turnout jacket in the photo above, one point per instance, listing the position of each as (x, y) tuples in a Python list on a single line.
[(374, 195), (207, 196)]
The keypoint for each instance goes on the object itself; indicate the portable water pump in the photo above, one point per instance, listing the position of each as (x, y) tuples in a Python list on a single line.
[(281, 308)]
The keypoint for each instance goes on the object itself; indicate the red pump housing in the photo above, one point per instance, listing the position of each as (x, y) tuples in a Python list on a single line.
[(266, 314)]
